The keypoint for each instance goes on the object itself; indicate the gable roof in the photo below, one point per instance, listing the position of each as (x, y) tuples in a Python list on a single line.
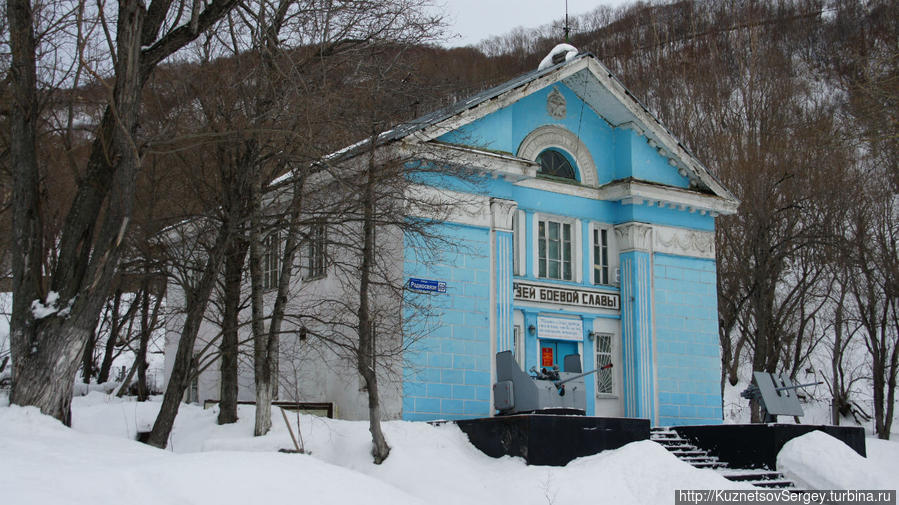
[(595, 85)]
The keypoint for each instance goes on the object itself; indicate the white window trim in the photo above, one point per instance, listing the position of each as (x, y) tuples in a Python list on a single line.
[(613, 251), (577, 241)]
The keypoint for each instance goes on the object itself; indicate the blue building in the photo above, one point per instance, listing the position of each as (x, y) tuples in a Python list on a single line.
[(595, 237), (592, 235)]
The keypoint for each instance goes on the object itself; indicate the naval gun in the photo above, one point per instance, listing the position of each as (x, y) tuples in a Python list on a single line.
[(548, 390), (775, 395)]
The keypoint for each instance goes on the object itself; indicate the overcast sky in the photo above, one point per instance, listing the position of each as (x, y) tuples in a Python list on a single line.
[(475, 20)]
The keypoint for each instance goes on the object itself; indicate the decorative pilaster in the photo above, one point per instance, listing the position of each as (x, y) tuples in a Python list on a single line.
[(502, 212), (635, 246)]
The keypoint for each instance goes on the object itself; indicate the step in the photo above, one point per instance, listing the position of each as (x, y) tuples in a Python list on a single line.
[(699, 458), (689, 452), (676, 444), (708, 464), (757, 477), (740, 475), (775, 484), (668, 439)]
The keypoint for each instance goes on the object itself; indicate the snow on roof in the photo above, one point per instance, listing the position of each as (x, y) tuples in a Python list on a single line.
[(567, 49)]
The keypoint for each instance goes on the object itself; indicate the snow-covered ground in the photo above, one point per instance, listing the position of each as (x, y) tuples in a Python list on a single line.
[(98, 463)]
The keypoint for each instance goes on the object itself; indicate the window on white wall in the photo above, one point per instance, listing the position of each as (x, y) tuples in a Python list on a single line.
[(271, 260), (317, 254), (603, 358), (600, 256), (554, 247)]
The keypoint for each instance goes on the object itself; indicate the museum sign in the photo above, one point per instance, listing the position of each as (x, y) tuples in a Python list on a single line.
[(566, 296)]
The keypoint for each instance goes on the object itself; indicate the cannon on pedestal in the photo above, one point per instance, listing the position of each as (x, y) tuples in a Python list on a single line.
[(547, 391), (776, 395)]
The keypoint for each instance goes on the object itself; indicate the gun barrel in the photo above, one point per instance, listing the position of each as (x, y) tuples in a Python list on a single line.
[(578, 376), (797, 386)]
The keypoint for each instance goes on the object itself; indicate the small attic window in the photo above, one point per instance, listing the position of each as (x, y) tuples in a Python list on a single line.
[(555, 164)]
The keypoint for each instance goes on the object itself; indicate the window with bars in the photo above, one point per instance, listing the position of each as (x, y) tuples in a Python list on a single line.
[(271, 260), (603, 358), (554, 245), (600, 256), (317, 253)]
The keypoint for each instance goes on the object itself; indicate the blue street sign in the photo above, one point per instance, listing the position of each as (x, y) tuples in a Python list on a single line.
[(427, 285)]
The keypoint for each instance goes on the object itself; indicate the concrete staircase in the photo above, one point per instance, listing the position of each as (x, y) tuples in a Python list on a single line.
[(700, 458)]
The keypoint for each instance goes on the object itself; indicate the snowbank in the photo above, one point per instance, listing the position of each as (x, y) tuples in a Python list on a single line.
[(817, 460), (98, 462), (101, 470)]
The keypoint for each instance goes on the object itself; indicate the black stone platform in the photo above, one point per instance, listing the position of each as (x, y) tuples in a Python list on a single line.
[(757, 445), (547, 439)]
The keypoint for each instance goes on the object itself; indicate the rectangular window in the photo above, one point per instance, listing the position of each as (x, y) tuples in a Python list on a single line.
[(270, 260), (600, 256), (554, 247), (317, 257), (603, 358)]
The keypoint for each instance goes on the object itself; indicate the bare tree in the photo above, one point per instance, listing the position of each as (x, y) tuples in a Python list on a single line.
[(48, 342), (873, 237)]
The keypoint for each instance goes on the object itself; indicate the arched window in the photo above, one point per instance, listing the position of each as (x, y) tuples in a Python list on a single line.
[(555, 164), (554, 138)]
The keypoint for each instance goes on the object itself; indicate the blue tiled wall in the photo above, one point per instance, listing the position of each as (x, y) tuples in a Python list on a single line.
[(636, 335), (447, 369), (688, 354)]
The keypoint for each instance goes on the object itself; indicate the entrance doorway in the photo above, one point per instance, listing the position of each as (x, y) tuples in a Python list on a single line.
[(553, 352)]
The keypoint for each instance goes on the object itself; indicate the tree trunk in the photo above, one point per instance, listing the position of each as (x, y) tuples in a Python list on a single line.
[(36, 381), (365, 354), (27, 253), (114, 327), (879, 421), (141, 358), (263, 345), (179, 379), (87, 359), (126, 382), (836, 361), (234, 261)]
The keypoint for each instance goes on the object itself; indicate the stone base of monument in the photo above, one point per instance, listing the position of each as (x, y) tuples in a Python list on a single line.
[(757, 445), (550, 439)]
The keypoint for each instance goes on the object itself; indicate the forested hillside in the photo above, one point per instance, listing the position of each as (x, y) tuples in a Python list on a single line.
[(792, 104)]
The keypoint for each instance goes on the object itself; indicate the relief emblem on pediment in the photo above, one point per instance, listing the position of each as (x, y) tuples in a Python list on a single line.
[(556, 105)]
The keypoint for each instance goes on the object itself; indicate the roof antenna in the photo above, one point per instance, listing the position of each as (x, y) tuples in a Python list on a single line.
[(567, 28)]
